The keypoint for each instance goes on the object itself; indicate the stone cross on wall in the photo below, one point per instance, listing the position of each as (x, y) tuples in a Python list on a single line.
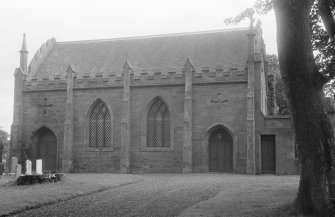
[(45, 105), (219, 100)]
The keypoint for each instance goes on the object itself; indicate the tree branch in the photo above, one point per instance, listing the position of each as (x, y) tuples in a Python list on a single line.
[(247, 13), (327, 17)]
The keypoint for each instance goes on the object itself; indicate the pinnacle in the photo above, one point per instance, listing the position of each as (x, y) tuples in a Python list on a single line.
[(18, 71), (24, 44), (70, 69), (188, 63), (127, 65)]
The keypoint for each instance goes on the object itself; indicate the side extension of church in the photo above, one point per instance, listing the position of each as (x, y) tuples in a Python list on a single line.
[(193, 102)]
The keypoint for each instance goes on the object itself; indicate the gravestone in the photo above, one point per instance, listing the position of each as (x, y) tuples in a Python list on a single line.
[(18, 170), (39, 166), (28, 167), (13, 163), (2, 168)]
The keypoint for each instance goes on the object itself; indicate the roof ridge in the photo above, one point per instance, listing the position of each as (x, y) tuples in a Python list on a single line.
[(155, 36)]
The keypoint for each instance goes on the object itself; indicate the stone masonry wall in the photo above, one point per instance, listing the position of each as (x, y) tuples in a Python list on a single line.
[(223, 104), (280, 126), (35, 116), (145, 159), (88, 159), (219, 97)]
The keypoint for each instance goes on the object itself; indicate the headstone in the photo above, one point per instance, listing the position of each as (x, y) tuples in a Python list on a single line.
[(18, 170), (2, 168), (39, 166), (13, 163), (28, 167)]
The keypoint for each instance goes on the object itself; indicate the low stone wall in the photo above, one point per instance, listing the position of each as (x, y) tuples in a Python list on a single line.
[(286, 158)]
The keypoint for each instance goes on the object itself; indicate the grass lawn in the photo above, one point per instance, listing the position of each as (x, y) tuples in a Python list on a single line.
[(249, 196), (237, 195), (14, 198)]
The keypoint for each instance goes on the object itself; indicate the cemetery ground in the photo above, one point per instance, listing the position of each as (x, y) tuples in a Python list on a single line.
[(185, 195), (15, 198)]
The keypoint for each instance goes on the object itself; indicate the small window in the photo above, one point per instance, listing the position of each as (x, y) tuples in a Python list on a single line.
[(100, 125), (158, 125)]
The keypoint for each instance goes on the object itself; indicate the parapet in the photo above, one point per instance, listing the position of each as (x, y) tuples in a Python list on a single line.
[(140, 77)]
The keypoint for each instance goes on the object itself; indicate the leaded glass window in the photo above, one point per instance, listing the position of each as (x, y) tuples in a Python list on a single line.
[(100, 125), (158, 125)]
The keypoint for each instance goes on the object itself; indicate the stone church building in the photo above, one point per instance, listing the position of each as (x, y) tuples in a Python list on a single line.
[(190, 102)]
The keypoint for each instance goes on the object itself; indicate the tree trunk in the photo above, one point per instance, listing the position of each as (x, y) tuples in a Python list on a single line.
[(303, 86)]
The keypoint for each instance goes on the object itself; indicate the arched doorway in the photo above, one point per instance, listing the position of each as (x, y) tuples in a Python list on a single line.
[(220, 151), (47, 149)]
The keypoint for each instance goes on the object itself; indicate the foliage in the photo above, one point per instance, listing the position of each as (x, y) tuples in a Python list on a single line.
[(4, 145), (321, 43), (277, 101), (306, 40), (45, 178), (247, 13), (3, 134), (329, 89), (323, 49), (282, 108), (263, 6), (260, 7)]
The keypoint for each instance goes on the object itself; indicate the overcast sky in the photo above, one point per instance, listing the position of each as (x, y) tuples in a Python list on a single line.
[(69, 20)]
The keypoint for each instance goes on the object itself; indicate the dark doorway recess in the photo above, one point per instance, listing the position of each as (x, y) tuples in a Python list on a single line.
[(47, 149), (220, 151), (268, 154)]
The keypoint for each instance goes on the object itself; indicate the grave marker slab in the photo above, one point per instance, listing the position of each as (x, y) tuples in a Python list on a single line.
[(13, 163), (18, 170), (2, 168), (39, 166), (28, 167)]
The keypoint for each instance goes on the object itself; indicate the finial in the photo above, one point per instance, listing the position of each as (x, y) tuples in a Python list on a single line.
[(24, 44), (18, 71), (188, 64), (127, 66), (252, 20), (70, 69)]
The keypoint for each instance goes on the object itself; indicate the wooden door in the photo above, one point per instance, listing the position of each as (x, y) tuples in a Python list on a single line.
[(228, 153), (220, 151), (268, 154), (215, 154), (47, 150)]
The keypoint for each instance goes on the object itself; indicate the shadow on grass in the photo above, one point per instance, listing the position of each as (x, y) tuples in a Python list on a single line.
[(287, 210)]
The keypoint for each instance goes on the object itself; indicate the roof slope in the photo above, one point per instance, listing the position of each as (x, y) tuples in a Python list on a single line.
[(228, 48)]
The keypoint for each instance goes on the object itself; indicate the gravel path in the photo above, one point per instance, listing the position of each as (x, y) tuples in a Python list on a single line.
[(174, 194)]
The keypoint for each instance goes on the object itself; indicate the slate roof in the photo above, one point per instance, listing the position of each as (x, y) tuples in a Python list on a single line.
[(228, 48)]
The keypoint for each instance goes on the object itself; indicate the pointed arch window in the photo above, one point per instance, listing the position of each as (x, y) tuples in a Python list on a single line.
[(100, 125), (158, 125)]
